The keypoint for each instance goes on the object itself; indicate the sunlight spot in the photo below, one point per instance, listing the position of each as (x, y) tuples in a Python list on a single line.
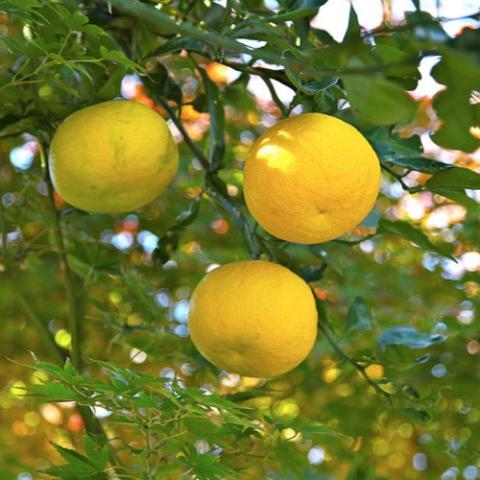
[(21, 157), (420, 462), (212, 267), (101, 412), (439, 370), (275, 157), (51, 413), (63, 338), (316, 455), (470, 472), (137, 356), (202, 446), (129, 86)]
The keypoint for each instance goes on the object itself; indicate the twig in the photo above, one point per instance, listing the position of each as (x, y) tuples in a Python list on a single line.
[(161, 22), (274, 95), (197, 152), (343, 356), (400, 179), (218, 195)]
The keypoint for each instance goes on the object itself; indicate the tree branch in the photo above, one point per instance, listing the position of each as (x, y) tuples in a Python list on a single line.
[(400, 179), (344, 357), (211, 180), (162, 23)]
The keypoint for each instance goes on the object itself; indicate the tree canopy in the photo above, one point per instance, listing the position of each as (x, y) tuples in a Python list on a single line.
[(100, 378)]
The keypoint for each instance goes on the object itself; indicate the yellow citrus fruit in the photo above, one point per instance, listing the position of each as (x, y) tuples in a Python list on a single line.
[(254, 318), (311, 178), (112, 157)]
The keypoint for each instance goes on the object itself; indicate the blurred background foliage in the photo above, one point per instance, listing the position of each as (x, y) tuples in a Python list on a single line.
[(389, 391)]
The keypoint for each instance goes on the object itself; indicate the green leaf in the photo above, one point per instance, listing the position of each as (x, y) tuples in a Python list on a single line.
[(359, 316), (458, 196), (390, 146), (161, 85), (8, 121), (454, 178), (119, 57), (460, 75), (416, 414), (217, 122), (408, 336), (82, 269), (188, 216), (420, 164), (96, 453), (111, 88), (181, 43), (413, 234), (377, 101), (200, 426), (168, 243), (81, 464), (55, 392), (317, 86)]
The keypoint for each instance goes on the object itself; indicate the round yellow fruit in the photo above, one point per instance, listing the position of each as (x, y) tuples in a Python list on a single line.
[(254, 318), (112, 157), (311, 178)]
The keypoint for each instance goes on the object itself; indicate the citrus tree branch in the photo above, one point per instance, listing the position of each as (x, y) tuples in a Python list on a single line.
[(212, 182), (162, 23), (346, 358), (400, 179)]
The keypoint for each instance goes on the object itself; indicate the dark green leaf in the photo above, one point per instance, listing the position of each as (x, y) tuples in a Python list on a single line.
[(96, 453), (188, 216), (420, 164), (454, 179), (217, 122), (390, 146), (418, 415), (359, 316), (181, 43), (413, 234), (81, 464), (454, 107), (161, 86), (111, 88), (377, 101)]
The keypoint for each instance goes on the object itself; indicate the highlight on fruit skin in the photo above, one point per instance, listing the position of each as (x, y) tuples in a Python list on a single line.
[(311, 178), (254, 318), (112, 157)]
